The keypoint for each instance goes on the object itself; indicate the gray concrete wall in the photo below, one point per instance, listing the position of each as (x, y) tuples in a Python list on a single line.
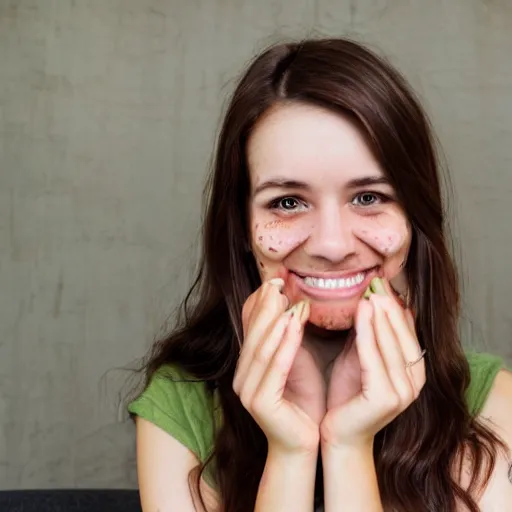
[(108, 112)]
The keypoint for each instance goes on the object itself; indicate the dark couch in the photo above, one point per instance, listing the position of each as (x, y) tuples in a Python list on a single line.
[(72, 500)]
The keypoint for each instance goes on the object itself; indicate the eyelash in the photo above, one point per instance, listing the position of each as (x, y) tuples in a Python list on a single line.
[(382, 198), (275, 204)]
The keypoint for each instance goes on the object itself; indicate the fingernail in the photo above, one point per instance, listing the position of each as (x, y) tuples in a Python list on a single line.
[(296, 309), (293, 309), (367, 293), (378, 287), (277, 281), (304, 314)]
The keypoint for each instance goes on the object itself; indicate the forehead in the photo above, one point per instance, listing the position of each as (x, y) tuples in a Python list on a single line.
[(308, 143)]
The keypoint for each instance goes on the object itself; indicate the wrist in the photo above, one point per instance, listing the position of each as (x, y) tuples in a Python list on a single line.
[(360, 444), (350, 477), (302, 454), (357, 448), (278, 489), (330, 439)]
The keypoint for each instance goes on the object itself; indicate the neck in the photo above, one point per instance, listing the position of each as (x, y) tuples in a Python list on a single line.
[(326, 345)]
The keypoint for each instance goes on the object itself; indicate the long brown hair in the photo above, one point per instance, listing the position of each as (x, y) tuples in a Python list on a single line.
[(418, 456)]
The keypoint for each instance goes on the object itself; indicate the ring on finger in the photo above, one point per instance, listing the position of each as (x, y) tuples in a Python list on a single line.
[(409, 364)]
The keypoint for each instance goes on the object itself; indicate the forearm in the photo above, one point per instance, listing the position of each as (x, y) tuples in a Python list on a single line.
[(350, 480), (287, 483)]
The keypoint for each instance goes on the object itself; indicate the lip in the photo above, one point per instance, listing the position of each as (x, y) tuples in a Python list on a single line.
[(332, 294), (334, 275)]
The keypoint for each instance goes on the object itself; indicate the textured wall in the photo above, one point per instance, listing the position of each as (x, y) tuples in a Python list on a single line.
[(108, 111)]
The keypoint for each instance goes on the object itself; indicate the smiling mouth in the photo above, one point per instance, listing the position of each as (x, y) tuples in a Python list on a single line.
[(340, 283), (334, 284)]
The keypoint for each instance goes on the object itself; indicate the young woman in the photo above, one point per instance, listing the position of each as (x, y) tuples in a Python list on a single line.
[(286, 386)]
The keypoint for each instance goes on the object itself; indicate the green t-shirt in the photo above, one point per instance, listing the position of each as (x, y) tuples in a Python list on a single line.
[(186, 410)]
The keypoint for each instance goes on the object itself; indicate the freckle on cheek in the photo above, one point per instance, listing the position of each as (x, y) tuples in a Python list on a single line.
[(273, 224), (385, 241), (280, 236)]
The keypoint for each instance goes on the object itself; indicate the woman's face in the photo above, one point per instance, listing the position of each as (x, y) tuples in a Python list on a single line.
[(322, 214)]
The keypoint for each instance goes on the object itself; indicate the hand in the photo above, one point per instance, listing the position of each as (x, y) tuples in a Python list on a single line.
[(276, 379), (385, 341)]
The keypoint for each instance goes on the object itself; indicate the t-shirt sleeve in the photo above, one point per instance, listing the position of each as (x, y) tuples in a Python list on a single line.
[(483, 367), (180, 406)]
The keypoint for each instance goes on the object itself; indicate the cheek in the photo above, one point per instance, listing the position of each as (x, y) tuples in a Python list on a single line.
[(387, 236), (276, 239)]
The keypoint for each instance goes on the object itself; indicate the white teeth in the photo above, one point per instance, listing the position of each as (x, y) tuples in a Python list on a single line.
[(316, 282)]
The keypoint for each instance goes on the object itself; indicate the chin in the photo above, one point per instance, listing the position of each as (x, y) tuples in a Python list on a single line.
[(332, 320)]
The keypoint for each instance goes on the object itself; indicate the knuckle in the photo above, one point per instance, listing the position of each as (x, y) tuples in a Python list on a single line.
[(262, 356), (245, 399), (416, 393), (281, 362), (267, 301), (267, 308), (406, 396), (253, 299), (418, 388), (405, 391), (258, 404), (247, 311)]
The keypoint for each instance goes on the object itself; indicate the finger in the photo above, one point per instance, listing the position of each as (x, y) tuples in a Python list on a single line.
[(253, 303), (402, 324), (391, 350), (274, 380), (410, 321), (248, 382), (270, 305), (418, 371), (373, 370)]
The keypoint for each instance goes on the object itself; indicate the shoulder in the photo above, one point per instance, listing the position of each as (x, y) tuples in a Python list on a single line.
[(498, 406), (174, 437), (170, 386), (484, 369), (494, 382), (181, 406), (497, 414)]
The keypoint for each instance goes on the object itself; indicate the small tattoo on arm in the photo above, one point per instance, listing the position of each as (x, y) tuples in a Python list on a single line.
[(510, 472)]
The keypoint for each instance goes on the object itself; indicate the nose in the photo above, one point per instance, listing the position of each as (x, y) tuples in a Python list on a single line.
[(332, 238)]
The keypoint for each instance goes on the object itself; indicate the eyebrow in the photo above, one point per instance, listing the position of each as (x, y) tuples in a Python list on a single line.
[(366, 181)]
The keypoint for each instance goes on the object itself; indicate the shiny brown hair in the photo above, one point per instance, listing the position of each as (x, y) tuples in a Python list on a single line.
[(418, 456)]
